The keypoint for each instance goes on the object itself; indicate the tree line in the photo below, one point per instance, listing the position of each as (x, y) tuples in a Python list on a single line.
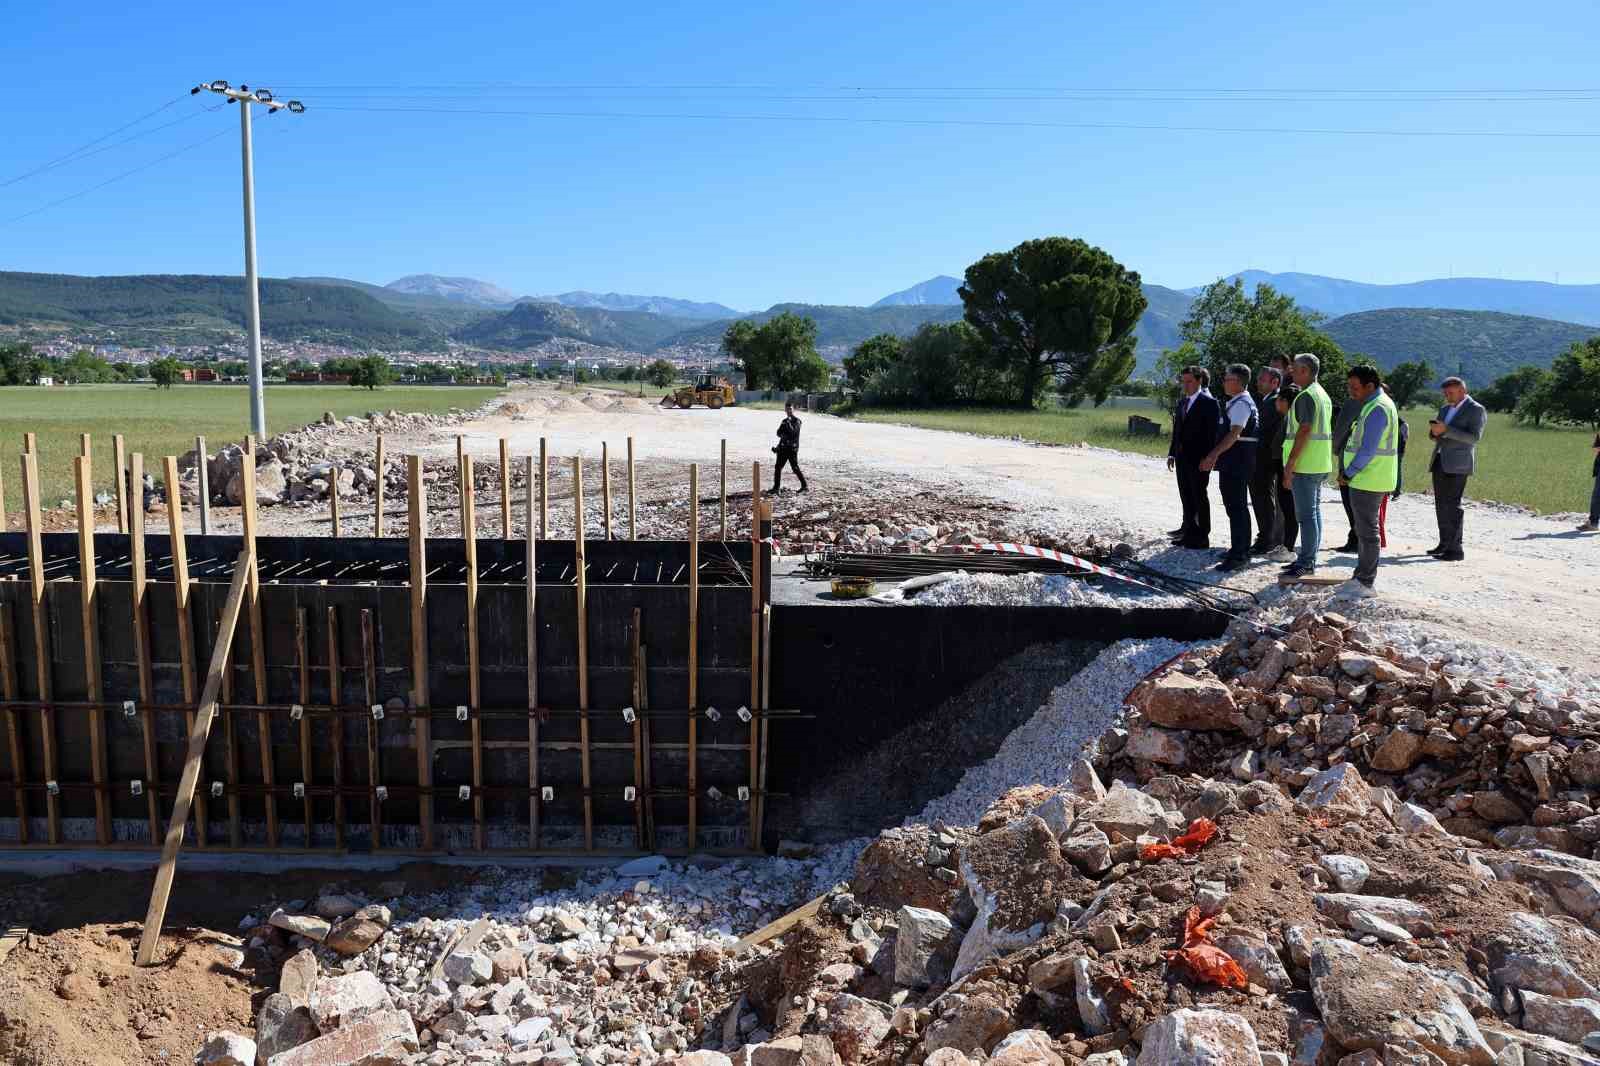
[(1569, 392)]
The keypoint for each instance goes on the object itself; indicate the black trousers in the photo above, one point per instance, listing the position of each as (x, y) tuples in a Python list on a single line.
[(1286, 511), (1235, 498), (1192, 482), (1265, 484), (1447, 492), (1349, 514), (792, 457)]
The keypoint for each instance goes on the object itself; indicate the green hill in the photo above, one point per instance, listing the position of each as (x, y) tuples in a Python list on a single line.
[(530, 323), (198, 308), (836, 326), (1480, 345)]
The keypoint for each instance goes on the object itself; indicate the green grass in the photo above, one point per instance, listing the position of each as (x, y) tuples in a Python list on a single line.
[(1546, 469), (161, 422)]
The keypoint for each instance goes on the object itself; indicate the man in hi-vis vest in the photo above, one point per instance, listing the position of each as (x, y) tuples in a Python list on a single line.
[(1371, 463), (1307, 458)]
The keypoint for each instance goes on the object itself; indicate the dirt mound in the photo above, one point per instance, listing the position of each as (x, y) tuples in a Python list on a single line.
[(75, 996)]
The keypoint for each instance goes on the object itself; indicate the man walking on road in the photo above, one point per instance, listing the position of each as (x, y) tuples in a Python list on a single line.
[(1455, 433), (1593, 524), (1269, 464), (1195, 425), (788, 449), (1308, 459), (1368, 467), (1234, 459)]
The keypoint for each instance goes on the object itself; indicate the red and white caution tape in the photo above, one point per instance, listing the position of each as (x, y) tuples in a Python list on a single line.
[(1062, 557)]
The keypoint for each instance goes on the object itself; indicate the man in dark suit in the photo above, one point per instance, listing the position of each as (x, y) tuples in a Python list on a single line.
[(1196, 424), (1593, 524), (1269, 464), (1455, 433)]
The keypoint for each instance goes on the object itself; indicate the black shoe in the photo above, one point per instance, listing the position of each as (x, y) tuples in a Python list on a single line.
[(1351, 545), (802, 486), (1298, 570), (1451, 556), (1194, 544), (1262, 548), (1437, 549), (1231, 563), (1180, 531)]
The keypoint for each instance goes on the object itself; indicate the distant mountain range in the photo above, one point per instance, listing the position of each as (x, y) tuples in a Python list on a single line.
[(477, 293), (458, 290), (936, 290), (656, 305), (1479, 344)]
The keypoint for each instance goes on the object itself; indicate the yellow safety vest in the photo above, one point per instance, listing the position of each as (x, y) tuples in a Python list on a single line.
[(1383, 469), (1317, 456)]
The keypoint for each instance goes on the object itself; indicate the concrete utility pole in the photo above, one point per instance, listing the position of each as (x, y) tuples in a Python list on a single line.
[(245, 97)]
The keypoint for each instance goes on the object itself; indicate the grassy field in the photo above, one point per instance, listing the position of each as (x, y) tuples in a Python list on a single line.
[(1544, 469), (160, 422)]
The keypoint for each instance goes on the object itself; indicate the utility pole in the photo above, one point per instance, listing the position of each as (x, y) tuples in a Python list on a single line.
[(245, 97)]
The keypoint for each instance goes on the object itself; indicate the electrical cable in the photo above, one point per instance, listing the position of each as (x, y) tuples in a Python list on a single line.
[(70, 156), (982, 123), (497, 88), (880, 97)]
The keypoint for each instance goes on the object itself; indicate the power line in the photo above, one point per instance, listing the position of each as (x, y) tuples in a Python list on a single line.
[(110, 181), (90, 144), (984, 123), (494, 87), (883, 97)]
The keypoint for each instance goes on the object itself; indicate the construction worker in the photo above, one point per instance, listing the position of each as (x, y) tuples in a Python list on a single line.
[(1368, 468), (788, 449), (1307, 459)]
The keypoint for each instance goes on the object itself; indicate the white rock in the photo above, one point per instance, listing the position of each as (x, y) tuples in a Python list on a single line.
[(1199, 1038), (226, 1049), (1348, 872)]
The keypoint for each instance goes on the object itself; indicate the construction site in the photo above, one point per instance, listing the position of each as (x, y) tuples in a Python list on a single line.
[(553, 732)]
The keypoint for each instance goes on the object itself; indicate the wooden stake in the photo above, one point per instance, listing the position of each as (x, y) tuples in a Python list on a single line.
[(544, 489), (336, 700), (258, 650), (369, 663), (469, 531), (633, 512), (3, 526), (377, 506), (205, 502), (41, 628), (333, 499), (533, 665), (141, 647), (723, 493), (90, 602), (119, 460), (755, 642), (505, 489), (417, 504), (180, 587), (461, 488), (8, 692), (30, 443), (302, 657), (583, 647), (605, 484), (150, 937), (85, 445), (694, 655)]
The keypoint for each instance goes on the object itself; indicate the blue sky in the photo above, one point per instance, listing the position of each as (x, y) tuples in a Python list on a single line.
[(808, 202)]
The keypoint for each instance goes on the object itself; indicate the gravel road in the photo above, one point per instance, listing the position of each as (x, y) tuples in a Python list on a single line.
[(1529, 582)]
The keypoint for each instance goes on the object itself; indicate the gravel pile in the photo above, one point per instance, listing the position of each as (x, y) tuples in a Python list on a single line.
[(1038, 590)]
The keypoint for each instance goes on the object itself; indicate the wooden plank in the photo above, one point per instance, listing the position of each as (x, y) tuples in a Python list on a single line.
[(633, 510), (638, 754), (544, 489), (369, 664), (532, 586), (694, 655), (582, 567), (258, 652), (605, 484), (723, 492), (333, 501), (377, 504), (336, 701), (302, 658), (505, 489), (1314, 580), (204, 491), (8, 692), (180, 587), (41, 629), (119, 463), (755, 642), (417, 505), (469, 533), (776, 929), (90, 602), (150, 937), (141, 647)]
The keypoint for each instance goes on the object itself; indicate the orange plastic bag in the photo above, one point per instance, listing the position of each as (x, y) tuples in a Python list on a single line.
[(1203, 959), (1200, 832)]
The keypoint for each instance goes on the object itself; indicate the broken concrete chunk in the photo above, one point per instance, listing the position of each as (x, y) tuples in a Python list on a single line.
[(1193, 1037)]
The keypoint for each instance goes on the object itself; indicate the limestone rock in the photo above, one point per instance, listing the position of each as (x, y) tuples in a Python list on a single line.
[(306, 925), (1012, 909), (1348, 872), (281, 1025), (1087, 848), (1258, 959), (355, 934), (1565, 1019), (1397, 752), (1178, 701), (1495, 806), (1199, 1038), (226, 1049), (1536, 954), (1154, 744), (1083, 781), (1368, 998), (856, 1026), (968, 1023), (338, 1001), (1337, 792), (1572, 884), (298, 976), (924, 948), (383, 1039), (467, 968), (1025, 1047), (1412, 917), (1092, 1010), (1124, 810)]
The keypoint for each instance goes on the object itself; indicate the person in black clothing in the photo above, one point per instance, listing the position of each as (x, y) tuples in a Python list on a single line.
[(1290, 517), (1196, 425), (1593, 524), (1269, 464), (788, 449), (1234, 460)]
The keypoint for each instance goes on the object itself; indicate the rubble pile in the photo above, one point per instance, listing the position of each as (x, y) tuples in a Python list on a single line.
[(1512, 762)]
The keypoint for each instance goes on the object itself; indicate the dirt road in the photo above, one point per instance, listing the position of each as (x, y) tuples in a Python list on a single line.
[(1529, 583)]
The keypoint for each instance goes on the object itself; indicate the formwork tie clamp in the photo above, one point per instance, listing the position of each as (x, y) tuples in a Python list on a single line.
[(464, 793), (136, 787), (630, 794), (216, 788), (296, 712), (377, 712), (382, 792), (129, 710), (629, 717), (547, 794), (461, 716), (744, 714), (713, 714), (299, 790)]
